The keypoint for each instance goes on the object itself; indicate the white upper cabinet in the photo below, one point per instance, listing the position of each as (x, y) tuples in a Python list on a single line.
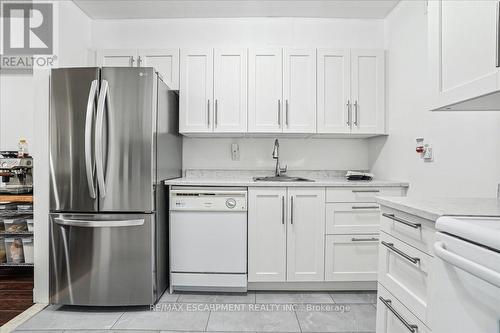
[(265, 85), (334, 77), (117, 58), (230, 90), (196, 90), (368, 91), (165, 61), (306, 234), (299, 90), (464, 54)]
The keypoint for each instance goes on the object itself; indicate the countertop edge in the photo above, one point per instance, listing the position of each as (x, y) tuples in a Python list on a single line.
[(316, 183), (407, 208)]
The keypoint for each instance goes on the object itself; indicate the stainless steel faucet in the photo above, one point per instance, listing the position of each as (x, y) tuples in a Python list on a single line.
[(276, 156)]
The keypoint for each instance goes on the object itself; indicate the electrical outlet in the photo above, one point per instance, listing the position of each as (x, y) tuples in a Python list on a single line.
[(235, 152)]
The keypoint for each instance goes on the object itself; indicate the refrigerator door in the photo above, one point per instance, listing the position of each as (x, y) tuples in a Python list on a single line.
[(72, 115), (125, 138), (104, 259)]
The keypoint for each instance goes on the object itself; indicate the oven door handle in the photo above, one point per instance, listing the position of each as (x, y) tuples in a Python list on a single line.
[(480, 271)]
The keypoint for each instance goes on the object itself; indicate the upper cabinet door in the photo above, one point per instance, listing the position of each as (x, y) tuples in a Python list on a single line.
[(464, 51), (165, 61), (368, 91), (306, 234), (196, 91), (334, 91), (299, 90), (116, 58), (230, 90), (265, 83)]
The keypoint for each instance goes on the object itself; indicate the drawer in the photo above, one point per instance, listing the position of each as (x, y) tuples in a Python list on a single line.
[(352, 218), (404, 271), (394, 317), (360, 194), (351, 257), (411, 229)]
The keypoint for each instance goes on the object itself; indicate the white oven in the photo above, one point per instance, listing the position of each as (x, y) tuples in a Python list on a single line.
[(465, 276), (208, 239)]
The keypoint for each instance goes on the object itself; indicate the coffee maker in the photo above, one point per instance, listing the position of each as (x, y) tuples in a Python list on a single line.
[(16, 173)]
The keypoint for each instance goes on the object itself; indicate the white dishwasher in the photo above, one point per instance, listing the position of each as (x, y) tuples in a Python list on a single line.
[(208, 239)]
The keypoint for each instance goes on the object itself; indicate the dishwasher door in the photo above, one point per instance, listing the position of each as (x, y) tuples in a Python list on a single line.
[(208, 242), (102, 259)]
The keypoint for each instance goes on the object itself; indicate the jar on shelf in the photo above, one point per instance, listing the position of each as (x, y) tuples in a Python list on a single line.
[(22, 148)]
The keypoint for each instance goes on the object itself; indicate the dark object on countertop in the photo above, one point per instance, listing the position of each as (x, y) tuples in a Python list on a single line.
[(354, 175)]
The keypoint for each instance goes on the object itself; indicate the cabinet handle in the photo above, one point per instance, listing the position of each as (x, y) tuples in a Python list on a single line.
[(283, 210), (391, 247), (216, 114), (356, 114), (365, 191), (279, 113), (208, 113), (373, 239), (291, 209), (400, 220), (365, 207), (387, 302), (498, 34), (348, 113), (286, 112), (139, 61)]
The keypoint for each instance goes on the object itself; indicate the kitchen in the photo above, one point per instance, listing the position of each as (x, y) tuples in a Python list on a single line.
[(264, 88)]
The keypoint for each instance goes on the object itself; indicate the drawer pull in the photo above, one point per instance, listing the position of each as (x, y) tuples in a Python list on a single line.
[(365, 207), (365, 191), (373, 239), (391, 247), (400, 220), (388, 303)]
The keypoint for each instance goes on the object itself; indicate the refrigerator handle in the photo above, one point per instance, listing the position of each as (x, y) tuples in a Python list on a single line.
[(99, 223), (101, 104), (89, 167)]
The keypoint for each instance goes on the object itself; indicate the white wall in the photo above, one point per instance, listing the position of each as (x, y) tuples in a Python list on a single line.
[(256, 154), (466, 144), (249, 32), (286, 32)]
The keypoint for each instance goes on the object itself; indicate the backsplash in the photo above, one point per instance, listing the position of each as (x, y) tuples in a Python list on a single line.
[(296, 153)]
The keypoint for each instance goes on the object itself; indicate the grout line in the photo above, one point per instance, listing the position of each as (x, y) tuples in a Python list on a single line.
[(298, 321), (117, 320), (208, 320)]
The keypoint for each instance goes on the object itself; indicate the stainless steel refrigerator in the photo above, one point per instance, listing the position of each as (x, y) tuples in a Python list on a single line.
[(113, 140)]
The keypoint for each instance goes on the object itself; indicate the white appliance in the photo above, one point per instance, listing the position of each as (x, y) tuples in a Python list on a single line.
[(465, 276), (208, 239)]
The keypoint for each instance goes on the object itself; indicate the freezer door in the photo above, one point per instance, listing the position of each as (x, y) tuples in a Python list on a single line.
[(72, 116), (104, 259), (125, 139)]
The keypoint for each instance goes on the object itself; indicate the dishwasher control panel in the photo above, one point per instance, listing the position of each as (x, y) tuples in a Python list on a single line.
[(208, 200)]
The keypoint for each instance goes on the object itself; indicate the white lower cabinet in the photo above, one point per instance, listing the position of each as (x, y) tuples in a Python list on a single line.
[(351, 257), (267, 234), (286, 230), (305, 234), (394, 317), (352, 218)]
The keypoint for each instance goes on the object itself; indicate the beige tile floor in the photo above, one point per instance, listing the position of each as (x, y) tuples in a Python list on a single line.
[(189, 312)]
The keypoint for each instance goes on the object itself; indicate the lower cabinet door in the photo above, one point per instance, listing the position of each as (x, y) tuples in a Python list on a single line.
[(394, 317), (267, 234), (351, 257), (306, 234)]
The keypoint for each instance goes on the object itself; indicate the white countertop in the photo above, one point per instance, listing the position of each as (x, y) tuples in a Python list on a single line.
[(188, 181), (433, 208)]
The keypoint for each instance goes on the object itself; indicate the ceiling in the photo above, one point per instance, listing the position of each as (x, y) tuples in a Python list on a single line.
[(152, 9)]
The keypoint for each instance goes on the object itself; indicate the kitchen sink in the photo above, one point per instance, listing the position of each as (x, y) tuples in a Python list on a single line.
[(281, 179)]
